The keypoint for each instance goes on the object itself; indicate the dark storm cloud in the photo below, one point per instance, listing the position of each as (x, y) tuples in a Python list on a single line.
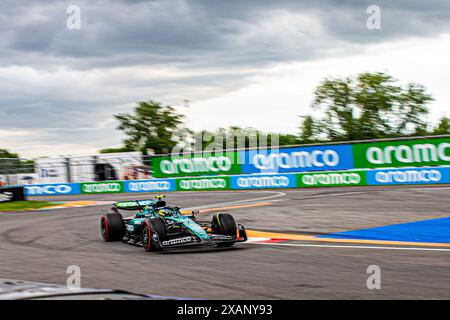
[(185, 32), (64, 92)]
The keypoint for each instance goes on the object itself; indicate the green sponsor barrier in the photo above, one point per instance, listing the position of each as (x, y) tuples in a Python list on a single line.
[(204, 183), (332, 179), (102, 187), (370, 155), (406, 153), (196, 165)]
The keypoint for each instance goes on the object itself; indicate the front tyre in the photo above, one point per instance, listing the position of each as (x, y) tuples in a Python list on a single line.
[(112, 227), (224, 224), (149, 229)]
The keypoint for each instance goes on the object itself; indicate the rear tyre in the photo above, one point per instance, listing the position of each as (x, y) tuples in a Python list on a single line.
[(149, 228), (112, 227), (224, 224)]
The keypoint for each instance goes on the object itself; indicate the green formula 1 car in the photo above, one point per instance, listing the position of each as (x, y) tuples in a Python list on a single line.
[(157, 226)]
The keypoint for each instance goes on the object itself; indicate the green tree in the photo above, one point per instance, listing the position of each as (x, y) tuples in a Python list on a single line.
[(236, 137), (151, 126), (227, 138), (370, 106), (10, 163), (5, 154), (443, 127), (115, 150), (288, 139), (308, 130)]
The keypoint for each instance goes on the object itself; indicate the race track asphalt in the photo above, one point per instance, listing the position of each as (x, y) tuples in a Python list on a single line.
[(39, 246)]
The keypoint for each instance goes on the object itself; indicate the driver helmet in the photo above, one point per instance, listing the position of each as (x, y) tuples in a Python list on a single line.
[(165, 212)]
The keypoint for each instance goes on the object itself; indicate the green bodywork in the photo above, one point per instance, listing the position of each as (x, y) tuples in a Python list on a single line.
[(148, 211)]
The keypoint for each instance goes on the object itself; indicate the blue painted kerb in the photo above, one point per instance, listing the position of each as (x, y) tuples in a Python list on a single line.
[(433, 231)]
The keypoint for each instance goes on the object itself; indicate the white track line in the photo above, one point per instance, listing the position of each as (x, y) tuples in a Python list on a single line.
[(430, 189), (277, 194), (352, 247), (333, 195), (213, 205)]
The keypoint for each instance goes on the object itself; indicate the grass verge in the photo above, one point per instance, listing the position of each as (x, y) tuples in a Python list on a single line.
[(25, 205)]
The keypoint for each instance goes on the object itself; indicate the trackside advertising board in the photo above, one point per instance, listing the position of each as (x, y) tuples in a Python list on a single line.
[(149, 185), (256, 181), (406, 153), (102, 187), (343, 178), (56, 189), (429, 175), (12, 194), (332, 179), (395, 162), (372, 155), (196, 165), (316, 158), (204, 183)]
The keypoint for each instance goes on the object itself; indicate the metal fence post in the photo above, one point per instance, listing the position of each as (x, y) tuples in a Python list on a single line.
[(68, 171)]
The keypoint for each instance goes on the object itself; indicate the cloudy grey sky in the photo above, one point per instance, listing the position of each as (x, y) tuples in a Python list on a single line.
[(249, 63)]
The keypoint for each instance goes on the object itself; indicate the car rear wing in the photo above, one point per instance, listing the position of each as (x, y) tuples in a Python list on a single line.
[(135, 204)]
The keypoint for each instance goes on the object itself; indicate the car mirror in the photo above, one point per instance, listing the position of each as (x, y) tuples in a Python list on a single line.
[(194, 212)]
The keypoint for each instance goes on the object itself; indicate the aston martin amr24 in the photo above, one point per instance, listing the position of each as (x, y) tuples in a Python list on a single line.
[(157, 226)]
